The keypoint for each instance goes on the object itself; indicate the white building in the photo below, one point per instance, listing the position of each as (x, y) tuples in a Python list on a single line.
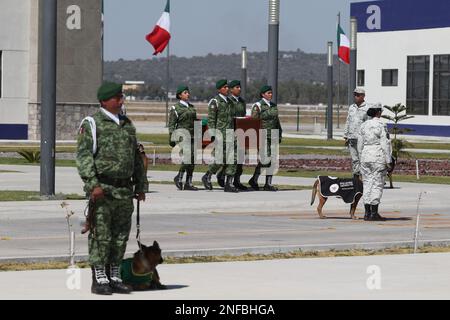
[(79, 65), (404, 57)]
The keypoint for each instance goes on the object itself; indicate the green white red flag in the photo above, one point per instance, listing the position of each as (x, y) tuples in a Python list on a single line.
[(160, 36), (343, 45)]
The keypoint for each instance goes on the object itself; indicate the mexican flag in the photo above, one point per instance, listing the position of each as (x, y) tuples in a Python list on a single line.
[(343, 45), (160, 36)]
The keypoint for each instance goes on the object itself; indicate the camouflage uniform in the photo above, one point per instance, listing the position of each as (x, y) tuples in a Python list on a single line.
[(220, 118), (118, 169), (184, 117), (267, 111), (356, 117), (375, 148), (240, 107)]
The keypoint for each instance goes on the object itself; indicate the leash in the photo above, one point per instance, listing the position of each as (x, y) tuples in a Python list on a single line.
[(138, 236)]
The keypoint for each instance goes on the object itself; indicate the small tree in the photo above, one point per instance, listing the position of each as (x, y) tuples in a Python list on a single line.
[(398, 114)]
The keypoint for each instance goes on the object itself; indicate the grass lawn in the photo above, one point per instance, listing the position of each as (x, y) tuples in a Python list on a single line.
[(18, 195), (298, 254)]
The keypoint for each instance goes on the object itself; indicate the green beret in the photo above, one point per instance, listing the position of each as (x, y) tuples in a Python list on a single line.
[(108, 90), (264, 89), (181, 89), (235, 83), (221, 83)]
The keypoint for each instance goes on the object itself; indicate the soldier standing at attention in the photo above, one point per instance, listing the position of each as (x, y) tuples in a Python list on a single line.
[(374, 146), (111, 167), (183, 116), (239, 111), (221, 118), (357, 114), (267, 111)]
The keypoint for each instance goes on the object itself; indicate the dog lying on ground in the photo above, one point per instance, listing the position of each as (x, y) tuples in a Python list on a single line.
[(350, 190), (140, 271)]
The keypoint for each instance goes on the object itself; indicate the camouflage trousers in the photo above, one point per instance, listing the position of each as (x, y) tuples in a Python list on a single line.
[(189, 167), (108, 241), (353, 148), (228, 168), (373, 176)]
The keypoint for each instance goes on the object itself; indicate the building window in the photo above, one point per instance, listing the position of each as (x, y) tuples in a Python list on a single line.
[(441, 86), (389, 77), (418, 84), (361, 78)]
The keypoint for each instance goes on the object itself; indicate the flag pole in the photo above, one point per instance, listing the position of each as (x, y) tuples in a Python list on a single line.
[(167, 85), (339, 78), (168, 78)]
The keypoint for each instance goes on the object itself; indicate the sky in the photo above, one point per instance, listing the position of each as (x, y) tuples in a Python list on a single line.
[(200, 27)]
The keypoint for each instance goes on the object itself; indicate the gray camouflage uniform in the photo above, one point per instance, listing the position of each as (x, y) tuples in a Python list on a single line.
[(374, 146), (356, 117)]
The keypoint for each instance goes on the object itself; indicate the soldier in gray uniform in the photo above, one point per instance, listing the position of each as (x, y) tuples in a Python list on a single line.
[(374, 146), (357, 115)]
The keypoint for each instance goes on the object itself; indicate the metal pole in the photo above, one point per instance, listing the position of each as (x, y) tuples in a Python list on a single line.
[(48, 96), (330, 91), (103, 37), (244, 73), (416, 233), (339, 81), (353, 57), (298, 119), (167, 85), (274, 31)]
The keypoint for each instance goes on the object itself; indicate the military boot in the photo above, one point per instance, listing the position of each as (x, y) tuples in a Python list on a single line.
[(188, 185), (206, 179), (268, 186), (228, 185), (375, 216), (100, 282), (253, 182), (179, 180), (238, 185), (115, 281), (221, 178), (367, 214)]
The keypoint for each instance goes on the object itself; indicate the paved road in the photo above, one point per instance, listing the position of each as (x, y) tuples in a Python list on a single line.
[(423, 276), (200, 223)]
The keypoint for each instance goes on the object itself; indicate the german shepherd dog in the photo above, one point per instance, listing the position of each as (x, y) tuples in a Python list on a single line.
[(322, 200), (143, 268)]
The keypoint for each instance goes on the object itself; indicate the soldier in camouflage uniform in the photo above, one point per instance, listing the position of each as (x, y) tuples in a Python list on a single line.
[(239, 111), (375, 148), (267, 111), (221, 119), (357, 115), (112, 170), (183, 116)]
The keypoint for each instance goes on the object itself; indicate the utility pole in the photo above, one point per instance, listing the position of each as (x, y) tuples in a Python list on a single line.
[(274, 32), (244, 73), (353, 57), (48, 98), (330, 91)]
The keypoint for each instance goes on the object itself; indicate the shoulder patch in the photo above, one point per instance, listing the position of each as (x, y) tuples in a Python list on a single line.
[(213, 103)]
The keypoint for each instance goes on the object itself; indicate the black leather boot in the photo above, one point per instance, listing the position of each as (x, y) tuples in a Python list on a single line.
[(253, 182), (115, 281), (188, 185), (206, 179), (237, 179), (100, 282), (179, 180), (375, 216), (228, 185), (221, 178), (268, 186), (367, 214)]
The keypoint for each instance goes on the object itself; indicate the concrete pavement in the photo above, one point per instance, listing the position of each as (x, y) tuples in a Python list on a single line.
[(204, 222), (423, 276)]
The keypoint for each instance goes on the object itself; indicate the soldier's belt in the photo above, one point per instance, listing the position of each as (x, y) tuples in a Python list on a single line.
[(118, 183)]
